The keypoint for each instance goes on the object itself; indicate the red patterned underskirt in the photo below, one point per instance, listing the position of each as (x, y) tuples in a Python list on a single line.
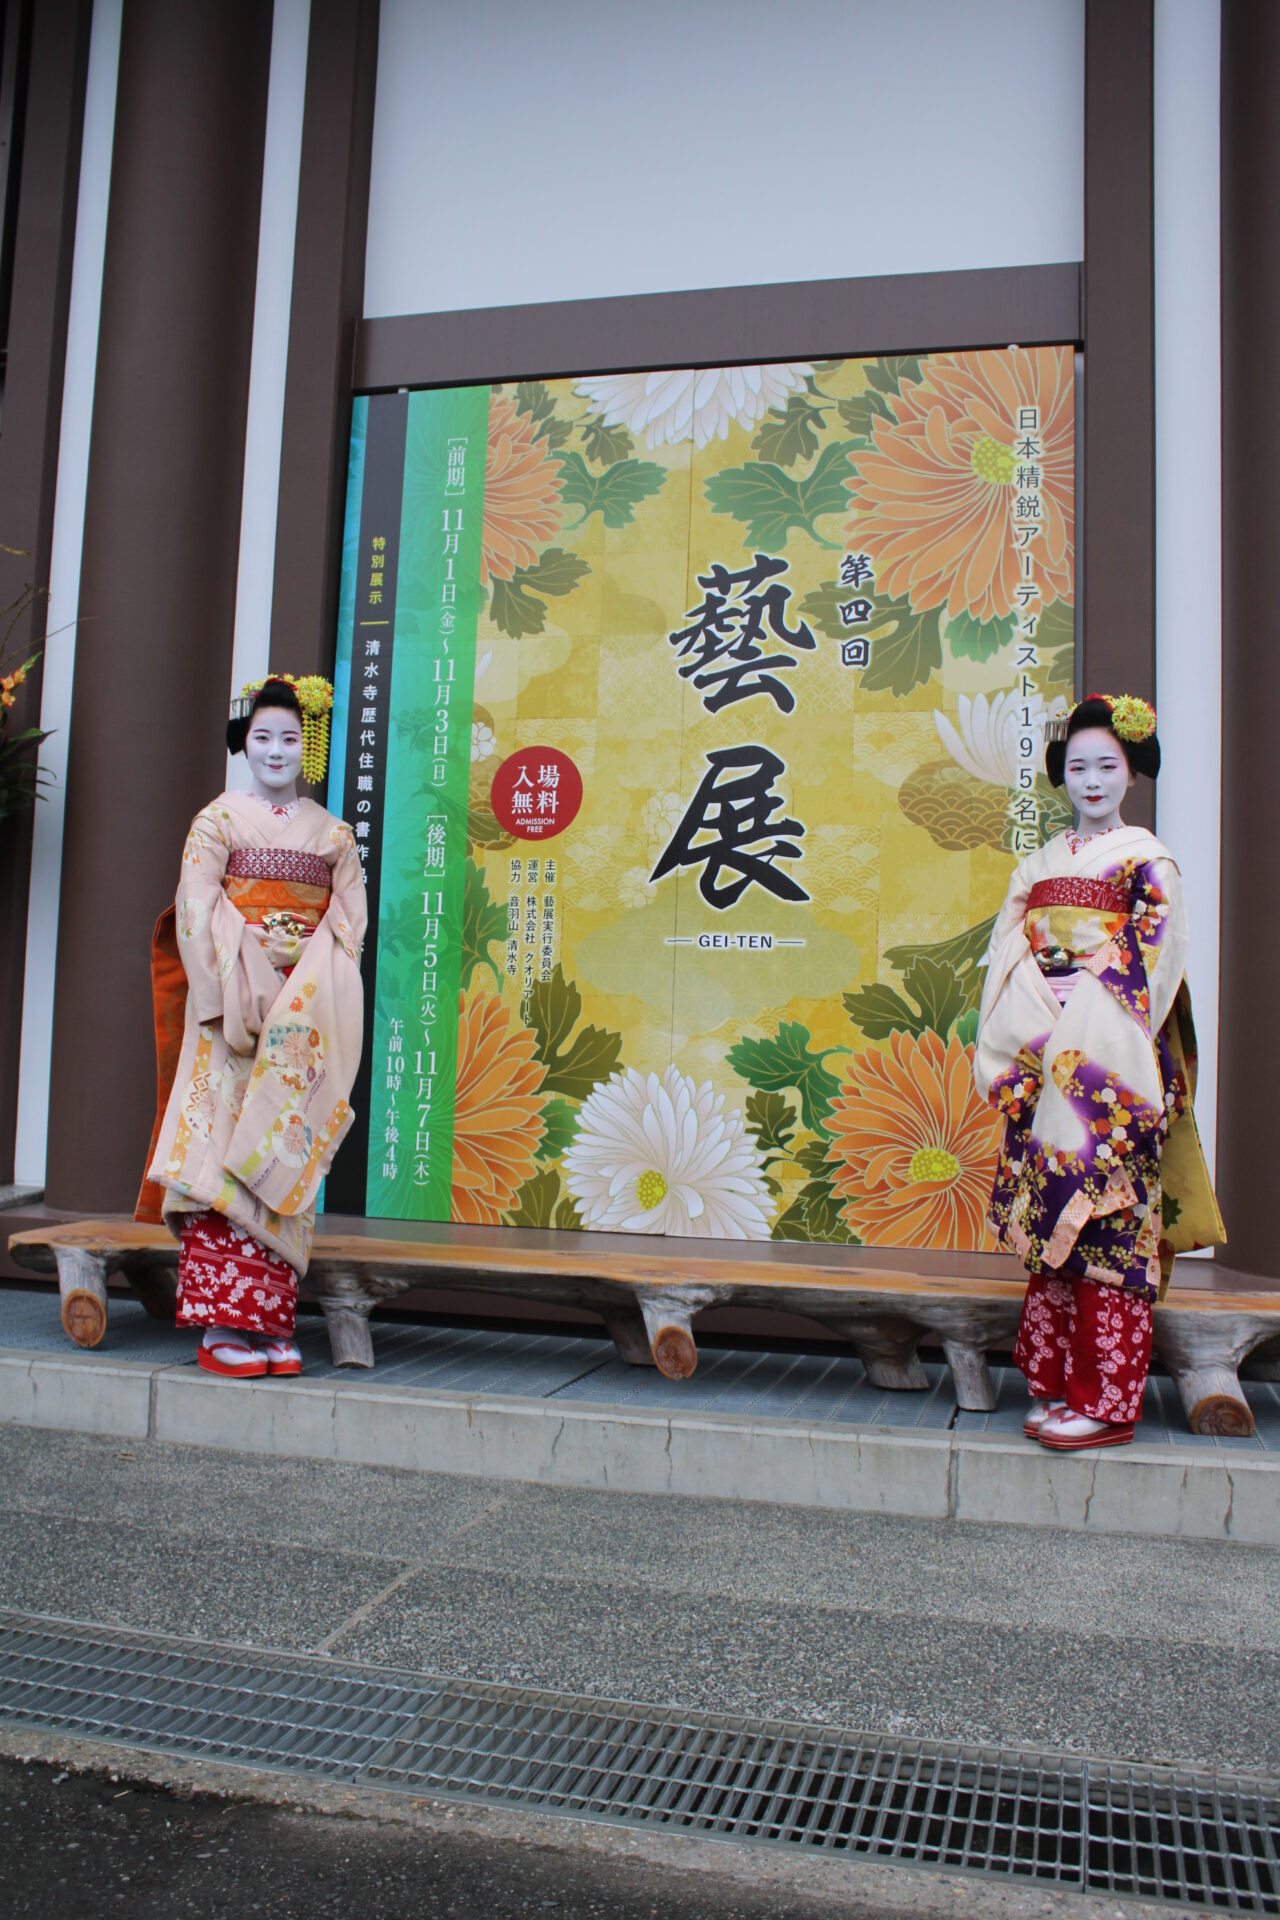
[(279, 863), (1070, 892), (226, 1278)]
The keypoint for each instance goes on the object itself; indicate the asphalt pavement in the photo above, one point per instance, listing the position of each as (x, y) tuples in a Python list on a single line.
[(1159, 1650)]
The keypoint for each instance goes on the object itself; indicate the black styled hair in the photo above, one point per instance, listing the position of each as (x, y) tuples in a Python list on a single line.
[(272, 693), (1143, 756)]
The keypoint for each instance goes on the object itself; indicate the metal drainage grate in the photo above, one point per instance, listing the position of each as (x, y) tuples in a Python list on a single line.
[(1165, 1833)]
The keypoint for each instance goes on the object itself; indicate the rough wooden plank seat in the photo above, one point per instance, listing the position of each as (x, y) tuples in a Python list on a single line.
[(648, 1291)]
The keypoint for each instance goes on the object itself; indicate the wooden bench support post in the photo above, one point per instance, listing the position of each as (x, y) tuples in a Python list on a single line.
[(1203, 1353), (82, 1282), (156, 1288), (347, 1322), (668, 1316), (886, 1348), (1264, 1362), (630, 1336), (971, 1376)]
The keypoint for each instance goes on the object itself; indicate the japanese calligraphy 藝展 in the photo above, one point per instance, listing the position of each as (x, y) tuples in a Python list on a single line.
[(689, 724)]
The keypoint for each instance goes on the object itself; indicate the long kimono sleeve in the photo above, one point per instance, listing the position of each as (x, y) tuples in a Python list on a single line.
[(229, 978), (1017, 1009), (1143, 965), (296, 1111)]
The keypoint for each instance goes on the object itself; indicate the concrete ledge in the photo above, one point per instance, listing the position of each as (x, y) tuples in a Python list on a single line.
[(1196, 1492)]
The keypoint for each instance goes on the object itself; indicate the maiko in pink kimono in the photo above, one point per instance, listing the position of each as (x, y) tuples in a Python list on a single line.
[(256, 975), (1086, 1047)]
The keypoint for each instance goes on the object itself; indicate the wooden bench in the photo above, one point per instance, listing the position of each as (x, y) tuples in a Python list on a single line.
[(647, 1292)]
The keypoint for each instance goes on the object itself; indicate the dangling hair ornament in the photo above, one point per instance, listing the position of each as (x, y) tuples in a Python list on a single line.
[(1133, 719), (315, 698)]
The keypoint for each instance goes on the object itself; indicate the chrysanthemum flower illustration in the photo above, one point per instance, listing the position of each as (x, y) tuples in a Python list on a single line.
[(661, 1155), (497, 1119), (521, 493), (985, 736), (934, 499), (691, 403), (913, 1146)]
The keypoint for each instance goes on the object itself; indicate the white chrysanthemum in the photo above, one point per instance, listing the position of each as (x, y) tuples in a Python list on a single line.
[(692, 403), (482, 740), (986, 742), (662, 1156)]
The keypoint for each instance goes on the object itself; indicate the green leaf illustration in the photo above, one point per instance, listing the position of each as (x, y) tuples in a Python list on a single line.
[(603, 442), (533, 399), (559, 1122), (815, 1215), (971, 639), (966, 1027), (483, 922), (555, 1006), (516, 608), (1055, 634), (536, 1201), (791, 434), (821, 609), (786, 1061), (887, 374), (907, 658), (1170, 1210), (878, 1010), (936, 997), (615, 493), (861, 410), (963, 951), (770, 1118), (769, 502), (567, 1215)]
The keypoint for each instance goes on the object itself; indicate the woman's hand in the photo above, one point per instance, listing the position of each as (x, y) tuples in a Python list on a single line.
[(282, 949)]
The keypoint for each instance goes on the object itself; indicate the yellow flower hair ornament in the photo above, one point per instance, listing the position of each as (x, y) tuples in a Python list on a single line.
[(315, 698)]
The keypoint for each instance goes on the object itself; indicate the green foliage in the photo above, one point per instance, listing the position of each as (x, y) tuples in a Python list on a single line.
[(516, 608), (21, 776), (483, 922), (860, 412), (971, 639), (790, 434), (567, 1215), (555, 1006), (815, 1212), (536, 1201), (942, 984), (533, 399), (559, 1122), (769, 502), (786, 1061), (887, 374), (906, 658), (821, 609), (1170, 1211), (770, 1118), (603, 442), (615, 493), (1055, 635)]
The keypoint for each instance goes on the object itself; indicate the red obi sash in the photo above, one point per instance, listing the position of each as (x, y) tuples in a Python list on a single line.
[(279, 863), (1068, 891)]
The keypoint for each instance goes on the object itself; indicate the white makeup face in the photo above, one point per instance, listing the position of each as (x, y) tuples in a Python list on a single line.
[(273, 748), (1097, 778)]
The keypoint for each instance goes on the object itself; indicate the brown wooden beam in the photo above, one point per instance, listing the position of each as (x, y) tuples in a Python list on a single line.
[(161, 542), (717, 326), (1116, 559), (327, 301), (46, 179), (1248, 1039)]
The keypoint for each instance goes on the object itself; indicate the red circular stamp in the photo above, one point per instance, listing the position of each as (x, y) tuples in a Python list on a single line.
[(536, 793)]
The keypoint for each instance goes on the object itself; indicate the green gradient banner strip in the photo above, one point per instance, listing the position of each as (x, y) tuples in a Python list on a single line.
[(420, 925)]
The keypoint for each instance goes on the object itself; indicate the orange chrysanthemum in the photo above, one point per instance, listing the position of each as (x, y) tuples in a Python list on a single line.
[(934, 498), (521, 493), (913, 1147), (497, 1116)]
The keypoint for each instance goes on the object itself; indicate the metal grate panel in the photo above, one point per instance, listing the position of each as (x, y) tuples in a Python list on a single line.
[(1168, 1834)]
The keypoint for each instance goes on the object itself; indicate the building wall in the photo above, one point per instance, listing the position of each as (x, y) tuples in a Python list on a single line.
[(576, 150)]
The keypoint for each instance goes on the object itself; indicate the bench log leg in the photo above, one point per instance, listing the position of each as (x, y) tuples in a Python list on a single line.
[(630, 1336), (350, 1341), (1202, 1352), (668, 1317), (82, 1282), (1264, 1362), (887, 1349), (157, 1289), (971, 1376)]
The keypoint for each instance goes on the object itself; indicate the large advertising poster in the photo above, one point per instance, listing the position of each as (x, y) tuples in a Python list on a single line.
[(690, 723)]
